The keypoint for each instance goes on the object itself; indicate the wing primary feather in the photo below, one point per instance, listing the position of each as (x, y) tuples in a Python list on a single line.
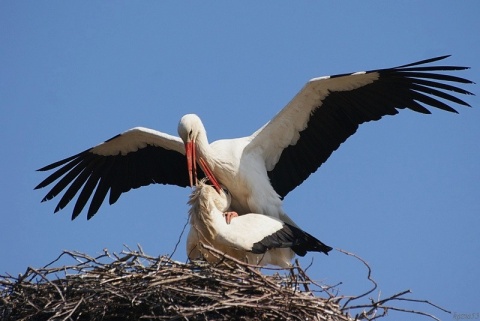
[(431, 101), (102, 188), (98, 197), (433, 68), (422, 62), (120, 183), (411, 74), (85, 193), (60, 172), (435, 84), (74, 188), (413, 105), (439, 93), (65, 180), (61, 162)]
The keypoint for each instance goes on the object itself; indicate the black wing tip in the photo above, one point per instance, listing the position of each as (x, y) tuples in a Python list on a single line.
[(46, 168), (471, 83), (39, 186), (429, 83), (424, 61), (434, 59), (63, 161), (327, 249), (431, 60), (76, 213), (313, 246), (441, 57), (305, 242), (89, 215)]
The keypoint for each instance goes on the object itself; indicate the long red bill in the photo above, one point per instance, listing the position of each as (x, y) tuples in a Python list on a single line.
[(191, 162), (209, 174)]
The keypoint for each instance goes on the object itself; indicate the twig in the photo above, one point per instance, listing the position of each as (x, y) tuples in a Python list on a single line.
[(180, 237), (369, 277)]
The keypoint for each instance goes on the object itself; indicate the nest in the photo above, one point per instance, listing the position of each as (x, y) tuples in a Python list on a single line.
[(135, 286)]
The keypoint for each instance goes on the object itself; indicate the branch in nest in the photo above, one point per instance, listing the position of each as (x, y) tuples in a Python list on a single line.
[(132, 285), (373, 306)]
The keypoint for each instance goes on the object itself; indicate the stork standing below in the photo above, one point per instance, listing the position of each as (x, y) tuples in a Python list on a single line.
[(261, 169), (255, 238)]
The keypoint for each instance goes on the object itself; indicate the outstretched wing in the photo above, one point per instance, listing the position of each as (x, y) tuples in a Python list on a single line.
[(137, 157), (328, 110)]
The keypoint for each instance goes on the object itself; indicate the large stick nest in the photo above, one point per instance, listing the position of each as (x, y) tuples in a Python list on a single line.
[(134, 286)]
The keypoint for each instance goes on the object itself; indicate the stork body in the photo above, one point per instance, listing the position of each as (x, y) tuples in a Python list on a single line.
[(261, 169), (243, 172), (255, 238)]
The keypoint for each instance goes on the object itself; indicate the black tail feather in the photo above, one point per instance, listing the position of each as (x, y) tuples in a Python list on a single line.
[(305, 242), (290, 236)]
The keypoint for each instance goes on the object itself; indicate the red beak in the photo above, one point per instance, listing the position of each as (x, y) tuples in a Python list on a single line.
[(192, 166), (191, 162), (209, 174)]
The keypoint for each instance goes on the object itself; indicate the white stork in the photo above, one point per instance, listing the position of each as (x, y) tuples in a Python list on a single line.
[(261, 169), (254, 238)]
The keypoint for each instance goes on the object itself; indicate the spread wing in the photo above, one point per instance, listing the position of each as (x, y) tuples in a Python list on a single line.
[(328, 110), (137, 157)]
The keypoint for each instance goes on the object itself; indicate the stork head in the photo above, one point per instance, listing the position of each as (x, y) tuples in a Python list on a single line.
[(208, 194), (194, 136), (189, 127)]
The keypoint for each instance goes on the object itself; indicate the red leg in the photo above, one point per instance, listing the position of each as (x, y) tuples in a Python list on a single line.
[(229, 216)]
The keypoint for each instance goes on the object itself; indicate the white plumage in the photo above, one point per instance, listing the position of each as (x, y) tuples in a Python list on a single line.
[(254, 238)]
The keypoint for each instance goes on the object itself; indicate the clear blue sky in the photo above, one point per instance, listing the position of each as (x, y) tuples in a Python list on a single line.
[(403, 193)]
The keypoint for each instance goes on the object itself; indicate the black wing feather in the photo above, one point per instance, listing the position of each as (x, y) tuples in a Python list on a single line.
[(291, 237), (86, 193), (423, 62), (73, 189), (341, 112), (67, 163), (96, 175)]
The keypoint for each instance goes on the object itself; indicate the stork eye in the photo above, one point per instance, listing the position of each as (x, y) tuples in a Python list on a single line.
[(225, 191)]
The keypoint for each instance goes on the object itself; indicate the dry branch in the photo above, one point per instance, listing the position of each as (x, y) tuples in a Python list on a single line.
[(135, 286)]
